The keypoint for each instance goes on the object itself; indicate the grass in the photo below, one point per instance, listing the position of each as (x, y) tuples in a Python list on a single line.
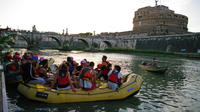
[(137, 51)]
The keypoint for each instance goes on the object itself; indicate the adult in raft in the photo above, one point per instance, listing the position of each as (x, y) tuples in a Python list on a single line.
[(105, 68), (30, 72), (88, 77), (114, 78), (13, 69), (62, 78)]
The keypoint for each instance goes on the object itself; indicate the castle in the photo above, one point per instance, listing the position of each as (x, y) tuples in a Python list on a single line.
[(159, 20)]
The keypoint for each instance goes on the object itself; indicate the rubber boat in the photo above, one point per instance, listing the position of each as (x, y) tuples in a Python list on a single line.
[(154, 69), (131, 86)]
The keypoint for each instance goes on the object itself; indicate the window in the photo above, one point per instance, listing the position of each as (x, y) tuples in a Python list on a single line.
[(139, 17), (163, 22), (161, 15)]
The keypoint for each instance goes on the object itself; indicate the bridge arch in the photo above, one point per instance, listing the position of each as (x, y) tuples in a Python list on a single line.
[(108, 44), (56, 39), (21, 41), (85, 42)]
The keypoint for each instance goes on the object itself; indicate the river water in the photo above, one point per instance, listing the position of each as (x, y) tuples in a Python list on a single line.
[(177, 90)]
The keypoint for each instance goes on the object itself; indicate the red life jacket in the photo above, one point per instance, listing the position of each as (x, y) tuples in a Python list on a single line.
[(105, 71), (62, 79), (113, 77), (14, 66)]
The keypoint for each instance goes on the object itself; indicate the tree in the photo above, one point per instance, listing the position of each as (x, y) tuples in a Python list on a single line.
[(5, 44)]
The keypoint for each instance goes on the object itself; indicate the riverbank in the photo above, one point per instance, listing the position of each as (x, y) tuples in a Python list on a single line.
[(122, 50)]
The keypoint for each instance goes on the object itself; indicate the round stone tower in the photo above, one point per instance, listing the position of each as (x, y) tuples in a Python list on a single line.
[(159, 20)]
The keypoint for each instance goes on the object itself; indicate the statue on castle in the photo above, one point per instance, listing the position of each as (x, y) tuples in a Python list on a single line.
[(34, 28)]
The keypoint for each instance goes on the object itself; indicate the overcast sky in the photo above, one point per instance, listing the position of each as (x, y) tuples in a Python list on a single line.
[(86, 15)]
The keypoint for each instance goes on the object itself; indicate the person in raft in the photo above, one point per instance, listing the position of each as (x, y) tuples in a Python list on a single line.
[(114, 78), (105, 68), (88, 77), (62, 79)]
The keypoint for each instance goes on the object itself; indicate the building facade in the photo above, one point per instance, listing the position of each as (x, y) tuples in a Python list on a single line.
[(159, 20)]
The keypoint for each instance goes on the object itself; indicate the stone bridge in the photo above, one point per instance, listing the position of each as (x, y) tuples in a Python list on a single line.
[(172, 43)]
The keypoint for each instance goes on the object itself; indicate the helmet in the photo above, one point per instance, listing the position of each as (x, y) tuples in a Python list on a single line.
[(17, 57)]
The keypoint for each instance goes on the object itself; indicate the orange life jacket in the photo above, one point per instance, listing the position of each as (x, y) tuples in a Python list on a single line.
[(113, 77), (88, 76), (104, 63)]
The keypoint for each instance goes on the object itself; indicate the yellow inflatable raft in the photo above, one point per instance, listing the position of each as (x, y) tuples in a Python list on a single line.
[(37, 92)]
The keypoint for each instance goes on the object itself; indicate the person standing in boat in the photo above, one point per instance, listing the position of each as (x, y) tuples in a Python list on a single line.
[(114, 78), (88, 77), (105, 68), (153, 63), (62, 79)]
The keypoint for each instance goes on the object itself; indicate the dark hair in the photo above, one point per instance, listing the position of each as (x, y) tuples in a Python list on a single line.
[(78, 68), (109, 65), (63, 68), (91, 64), (43, 62), (69, 59), (118, 68), (104, 56)]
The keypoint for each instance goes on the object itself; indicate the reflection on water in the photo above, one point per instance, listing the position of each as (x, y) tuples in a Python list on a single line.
[(176, 90)]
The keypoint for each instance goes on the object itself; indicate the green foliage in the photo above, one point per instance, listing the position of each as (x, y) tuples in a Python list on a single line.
[(137, 51), (64, 48), (95, 45), (5, 43)]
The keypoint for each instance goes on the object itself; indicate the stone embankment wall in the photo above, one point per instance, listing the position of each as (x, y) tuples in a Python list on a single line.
[(172, 43)]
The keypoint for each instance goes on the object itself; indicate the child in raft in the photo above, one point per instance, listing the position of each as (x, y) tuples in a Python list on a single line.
[(63, 79), (114, 78)]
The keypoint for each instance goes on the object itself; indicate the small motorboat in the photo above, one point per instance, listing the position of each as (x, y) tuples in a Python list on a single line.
[(155, 69)]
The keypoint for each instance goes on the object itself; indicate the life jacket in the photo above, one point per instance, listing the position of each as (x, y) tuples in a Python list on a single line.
[(14, 66), (105, 71), (104, 63), (35, 72), (113, 77), (86, 74), (62, 79)]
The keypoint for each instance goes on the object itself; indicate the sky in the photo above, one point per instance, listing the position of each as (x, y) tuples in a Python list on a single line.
[(81, 16)]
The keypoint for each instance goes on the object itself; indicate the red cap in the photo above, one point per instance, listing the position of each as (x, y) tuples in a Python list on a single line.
[(9, 56)]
